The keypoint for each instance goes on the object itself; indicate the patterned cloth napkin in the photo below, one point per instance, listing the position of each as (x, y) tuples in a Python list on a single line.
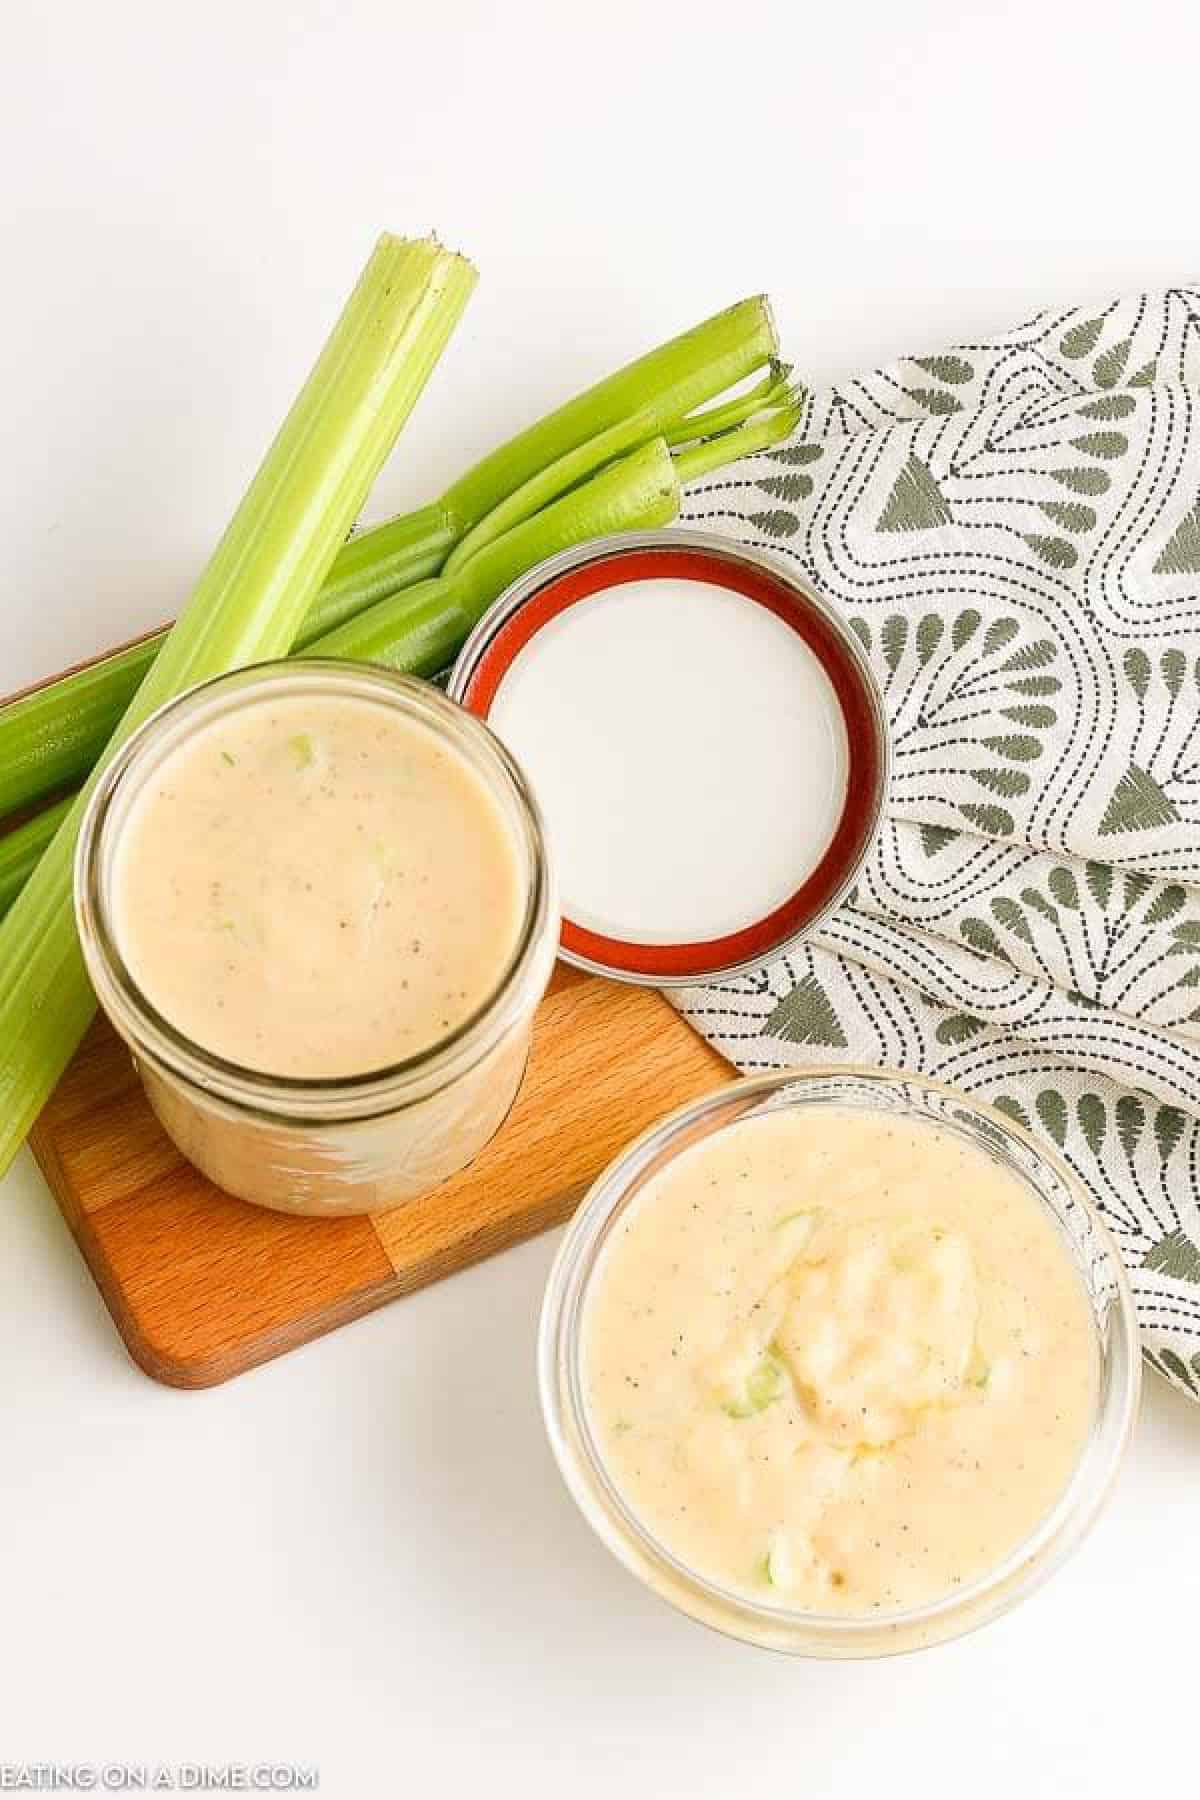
[(1013, 530)]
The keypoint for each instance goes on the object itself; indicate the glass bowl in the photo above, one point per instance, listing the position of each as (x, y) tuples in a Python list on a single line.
[(779, 1627)]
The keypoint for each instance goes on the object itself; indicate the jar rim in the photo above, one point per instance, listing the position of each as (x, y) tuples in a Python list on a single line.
[(308, 1099), (789, 1629), (598, 568)]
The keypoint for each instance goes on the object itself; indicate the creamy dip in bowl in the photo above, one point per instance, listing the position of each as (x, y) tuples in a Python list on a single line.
[(314, 899), (841, 1363)]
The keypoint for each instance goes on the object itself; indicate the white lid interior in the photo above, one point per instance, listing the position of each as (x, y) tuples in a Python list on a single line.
[(689, 754)]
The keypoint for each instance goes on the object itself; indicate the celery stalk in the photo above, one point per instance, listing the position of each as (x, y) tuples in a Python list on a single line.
[(375, 564), (698, 460), (21, 849), (568, 472), (666, 384), (421, 630), (248, 604), (773, 391), (54, 733), (51, 736)]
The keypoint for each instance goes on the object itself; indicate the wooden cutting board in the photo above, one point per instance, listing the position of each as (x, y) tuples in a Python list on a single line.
[(202, 1286)]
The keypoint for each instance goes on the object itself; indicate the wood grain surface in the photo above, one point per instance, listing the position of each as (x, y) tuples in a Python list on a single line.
[(202, 1286)]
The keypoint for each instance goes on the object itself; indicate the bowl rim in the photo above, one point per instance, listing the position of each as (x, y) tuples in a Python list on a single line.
[(734, 1614)]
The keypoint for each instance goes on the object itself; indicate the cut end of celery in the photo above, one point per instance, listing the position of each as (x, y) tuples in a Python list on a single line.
[(771, 427), (772, 330)]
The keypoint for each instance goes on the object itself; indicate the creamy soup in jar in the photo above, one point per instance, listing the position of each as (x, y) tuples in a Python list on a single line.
[(316, 886), (838, 1361)]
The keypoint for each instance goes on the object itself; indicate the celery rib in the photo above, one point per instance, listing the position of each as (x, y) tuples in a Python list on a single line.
[(698, 460), (420, 629), (773, 391), (51, 737), (549, 483), (54, 733), (666, 384), (21, 849), (248, 604)]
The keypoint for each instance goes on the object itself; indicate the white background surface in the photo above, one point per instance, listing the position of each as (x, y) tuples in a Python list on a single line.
[(361, 1556)]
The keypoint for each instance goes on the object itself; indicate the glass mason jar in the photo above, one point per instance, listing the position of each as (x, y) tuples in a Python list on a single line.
[(348, 1144), (778, 1627)]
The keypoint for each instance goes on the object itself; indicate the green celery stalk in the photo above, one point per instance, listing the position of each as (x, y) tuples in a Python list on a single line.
[(774, 390), (50, 737), (697, 460), (555, 479), (248, 605), (666, 384), (376, 563), (53, 734), (21, 849), (421, 629)]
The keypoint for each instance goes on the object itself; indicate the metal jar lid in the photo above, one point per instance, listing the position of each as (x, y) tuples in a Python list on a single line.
[(631, 739)]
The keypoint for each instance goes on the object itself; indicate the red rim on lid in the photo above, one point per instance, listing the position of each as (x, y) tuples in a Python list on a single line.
[(627, 562)]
